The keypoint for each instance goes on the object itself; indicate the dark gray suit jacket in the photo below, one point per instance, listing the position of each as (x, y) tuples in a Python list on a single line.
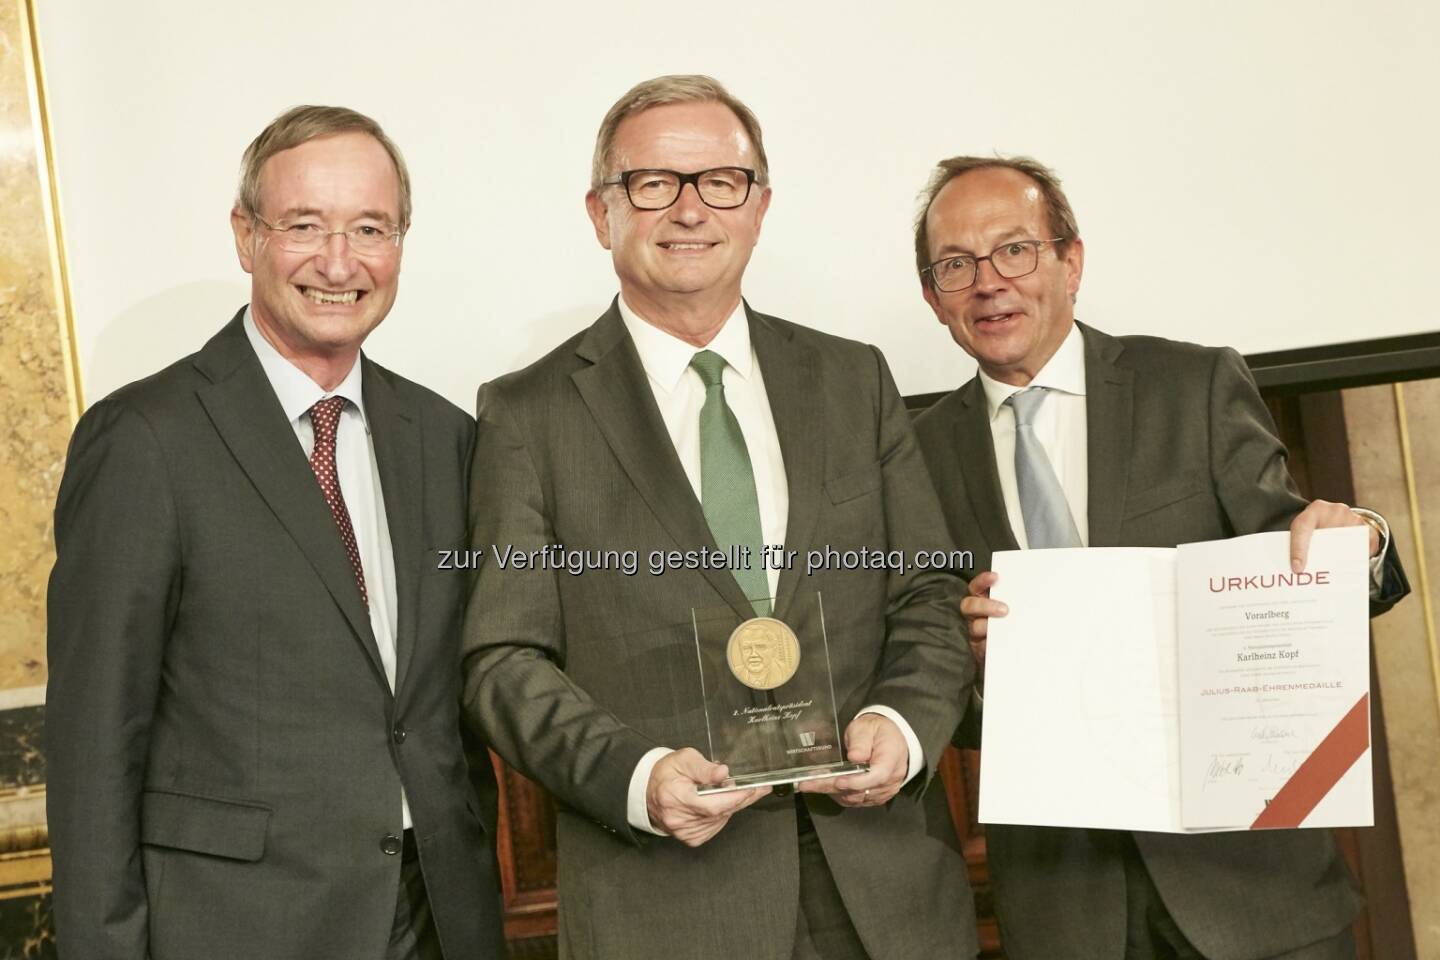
[(225, 755), (574, 678), (1181, 449)]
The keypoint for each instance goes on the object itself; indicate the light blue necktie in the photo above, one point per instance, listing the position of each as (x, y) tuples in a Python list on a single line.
[(727, 482), (1042, 500)]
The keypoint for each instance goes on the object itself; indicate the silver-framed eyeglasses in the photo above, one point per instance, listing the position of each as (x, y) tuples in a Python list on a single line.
[(310, 236), (1012, 260), (722, 188)]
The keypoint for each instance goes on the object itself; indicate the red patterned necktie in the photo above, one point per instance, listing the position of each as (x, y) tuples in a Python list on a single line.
[(325, 418)]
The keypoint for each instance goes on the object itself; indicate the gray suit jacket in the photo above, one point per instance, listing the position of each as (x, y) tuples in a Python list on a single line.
[(225, 755), (1181, 449), (574, 678)]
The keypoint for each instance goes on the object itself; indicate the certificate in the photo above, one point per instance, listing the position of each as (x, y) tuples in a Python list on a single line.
[(1199, 688), (1275, 683)]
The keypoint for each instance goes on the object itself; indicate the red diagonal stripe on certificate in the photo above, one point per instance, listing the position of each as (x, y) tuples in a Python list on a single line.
[(1321, 770)]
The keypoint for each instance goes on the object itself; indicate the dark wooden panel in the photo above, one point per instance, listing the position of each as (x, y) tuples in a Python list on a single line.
[(526, 851)]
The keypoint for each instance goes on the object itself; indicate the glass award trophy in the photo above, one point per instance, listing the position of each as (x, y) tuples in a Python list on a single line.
[(770, 711)]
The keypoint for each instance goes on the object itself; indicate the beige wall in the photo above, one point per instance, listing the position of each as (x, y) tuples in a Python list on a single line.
[(1191, 136), (1404, 485)]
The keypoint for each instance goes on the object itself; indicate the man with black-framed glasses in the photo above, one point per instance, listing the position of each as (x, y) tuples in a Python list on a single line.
[(253, 727), (684, 420), (1069, 437)]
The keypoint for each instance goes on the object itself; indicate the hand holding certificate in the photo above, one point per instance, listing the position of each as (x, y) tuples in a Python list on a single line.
[(1212, 689)]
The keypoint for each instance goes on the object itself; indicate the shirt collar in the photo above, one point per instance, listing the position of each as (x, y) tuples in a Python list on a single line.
[(1064, 372), (666, 357), (296, 391)]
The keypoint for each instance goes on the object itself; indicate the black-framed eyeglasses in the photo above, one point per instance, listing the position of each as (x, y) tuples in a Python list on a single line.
[(722, 188), (308, 236), (1012, 260)]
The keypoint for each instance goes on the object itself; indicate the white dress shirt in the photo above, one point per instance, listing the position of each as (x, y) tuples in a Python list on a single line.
[(1061, 429), (1059, 426), (680, 393), (359, 475)]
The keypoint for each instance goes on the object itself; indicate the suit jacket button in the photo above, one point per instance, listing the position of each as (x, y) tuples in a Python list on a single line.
[(391, 845), (398, 734)]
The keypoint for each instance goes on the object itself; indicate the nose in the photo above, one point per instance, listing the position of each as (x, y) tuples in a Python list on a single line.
[(987, 278), (336, 260), (688, 208)]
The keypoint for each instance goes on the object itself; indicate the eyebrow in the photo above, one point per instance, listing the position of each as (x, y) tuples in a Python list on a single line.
[(950, 249), (294, 212)]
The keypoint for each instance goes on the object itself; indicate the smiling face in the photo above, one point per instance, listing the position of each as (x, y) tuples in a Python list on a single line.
[(1011, 327), (685, 261), (317, 308)]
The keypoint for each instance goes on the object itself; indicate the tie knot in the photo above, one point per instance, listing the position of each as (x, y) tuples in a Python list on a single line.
[(710, 365), (325, 415), (1026, 404)]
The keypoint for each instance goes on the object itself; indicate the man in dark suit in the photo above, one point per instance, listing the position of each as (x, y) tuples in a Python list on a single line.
[(252, 722), (683, 419), (1070, 437)]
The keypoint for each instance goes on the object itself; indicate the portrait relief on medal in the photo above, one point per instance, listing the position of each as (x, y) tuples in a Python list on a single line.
[(763, 653)]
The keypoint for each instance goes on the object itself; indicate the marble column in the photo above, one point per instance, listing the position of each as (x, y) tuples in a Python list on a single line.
[(38, 404)]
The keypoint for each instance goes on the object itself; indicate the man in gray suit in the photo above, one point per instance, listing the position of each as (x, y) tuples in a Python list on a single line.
[(253, 728), (589, 683), (1141, 442)]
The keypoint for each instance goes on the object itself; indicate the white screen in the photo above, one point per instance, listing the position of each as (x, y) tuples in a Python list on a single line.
[(1257, 174)]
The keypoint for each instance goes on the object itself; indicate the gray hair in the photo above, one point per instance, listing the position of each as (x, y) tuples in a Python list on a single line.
[(675, 88), (300, 125)]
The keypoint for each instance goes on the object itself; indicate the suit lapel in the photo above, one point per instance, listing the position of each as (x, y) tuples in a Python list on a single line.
[(975, 441), (242, 405), (1109, 413), (395, 430), (615, 390), (793, 386)]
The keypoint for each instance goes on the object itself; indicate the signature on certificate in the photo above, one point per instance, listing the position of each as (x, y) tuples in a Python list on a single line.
[(1272, 732), (1224, 767), (1281, 764)]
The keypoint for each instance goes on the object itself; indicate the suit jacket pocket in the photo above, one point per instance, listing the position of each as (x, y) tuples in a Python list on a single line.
[(1170, 490), (234, 829), (854, 484)]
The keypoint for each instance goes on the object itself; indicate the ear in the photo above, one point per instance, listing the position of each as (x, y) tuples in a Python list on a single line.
[(599, 216), (244, 229), (760, 209), (1074, 267)]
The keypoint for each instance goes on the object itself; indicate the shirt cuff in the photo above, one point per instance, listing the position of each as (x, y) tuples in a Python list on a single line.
[(1377, 562), (912, 742), (637, 811)]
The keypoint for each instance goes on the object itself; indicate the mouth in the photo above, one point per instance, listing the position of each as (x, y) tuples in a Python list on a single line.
[(331, 297), (686, 246), (995, 320)]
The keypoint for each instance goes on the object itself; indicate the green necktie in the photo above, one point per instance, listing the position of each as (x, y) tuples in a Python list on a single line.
[(727, 484)]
